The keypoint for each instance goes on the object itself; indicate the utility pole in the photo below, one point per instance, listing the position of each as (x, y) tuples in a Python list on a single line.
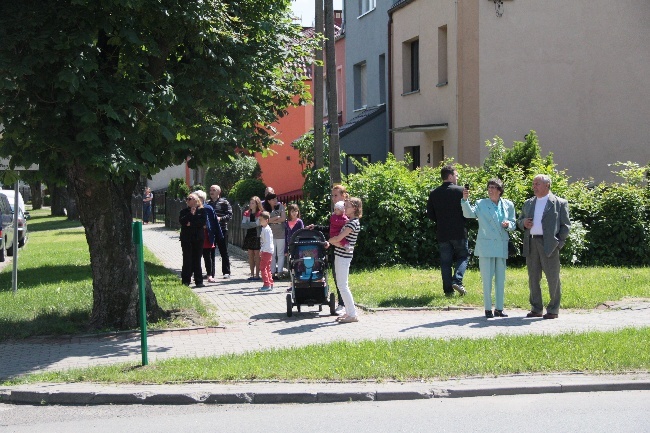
[(332, 104), (318, 88)]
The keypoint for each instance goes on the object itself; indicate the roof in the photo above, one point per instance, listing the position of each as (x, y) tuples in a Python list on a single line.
[(364, 117), (421, 128), (398, 4), (308, 33)]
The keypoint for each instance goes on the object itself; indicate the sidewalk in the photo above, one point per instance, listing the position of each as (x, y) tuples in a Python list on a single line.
[(251, 320)]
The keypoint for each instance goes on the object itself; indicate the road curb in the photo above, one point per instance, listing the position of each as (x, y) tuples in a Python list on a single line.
[(306, 393)]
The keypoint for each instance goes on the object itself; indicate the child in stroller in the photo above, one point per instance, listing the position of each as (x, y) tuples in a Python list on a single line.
[(308, 264)]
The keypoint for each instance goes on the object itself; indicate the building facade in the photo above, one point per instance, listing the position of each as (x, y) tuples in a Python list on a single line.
[(365, 132), (576, 72)]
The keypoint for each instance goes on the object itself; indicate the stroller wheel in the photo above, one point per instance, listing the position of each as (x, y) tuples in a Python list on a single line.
[(332, 304), (289, 305)]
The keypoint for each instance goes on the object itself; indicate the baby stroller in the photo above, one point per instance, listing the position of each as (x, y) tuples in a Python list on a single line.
[(308, 265)]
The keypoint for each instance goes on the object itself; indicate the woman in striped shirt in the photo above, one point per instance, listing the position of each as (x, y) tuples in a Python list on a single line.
[(343, 256)]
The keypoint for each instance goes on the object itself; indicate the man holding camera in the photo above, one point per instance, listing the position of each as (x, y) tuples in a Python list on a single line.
[(443, 208)]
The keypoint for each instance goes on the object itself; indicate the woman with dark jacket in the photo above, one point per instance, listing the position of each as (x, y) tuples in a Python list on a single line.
[(193, 219)]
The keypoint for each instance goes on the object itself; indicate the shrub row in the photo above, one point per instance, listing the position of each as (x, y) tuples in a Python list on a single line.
[(610, 222)]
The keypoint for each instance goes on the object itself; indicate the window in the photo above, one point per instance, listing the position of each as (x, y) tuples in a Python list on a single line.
[(366, 6), (360, 86), (349, 162), (382, 79), (414, 151), (442, 56), (411, 65)]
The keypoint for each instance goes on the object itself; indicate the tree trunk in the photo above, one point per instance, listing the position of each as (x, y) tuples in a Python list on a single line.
[(71, 207), (332, 103), (105, 212), (37, 194), (59, 200)]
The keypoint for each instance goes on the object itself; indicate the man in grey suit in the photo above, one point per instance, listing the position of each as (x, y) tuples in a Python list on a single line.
[(545, 222)]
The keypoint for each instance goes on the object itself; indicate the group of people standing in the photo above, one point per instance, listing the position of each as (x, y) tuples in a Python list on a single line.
[(269, 228), (277, 222), (204, 228), (544, 220)]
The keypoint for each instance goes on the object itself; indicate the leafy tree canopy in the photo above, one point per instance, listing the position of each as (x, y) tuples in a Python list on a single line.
[(227, 174), (102, 92), (129, 87)]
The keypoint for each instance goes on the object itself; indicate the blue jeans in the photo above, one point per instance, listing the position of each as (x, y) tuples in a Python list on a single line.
[(457, 249)]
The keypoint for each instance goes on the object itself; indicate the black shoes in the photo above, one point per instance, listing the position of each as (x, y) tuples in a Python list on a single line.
[(499, 313), (488, 314), (534, 314)]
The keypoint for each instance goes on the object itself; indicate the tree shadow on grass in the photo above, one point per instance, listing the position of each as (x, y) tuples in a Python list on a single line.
[(63, 274), (28, 278), (410, 302), (34, 225), (46, 323)]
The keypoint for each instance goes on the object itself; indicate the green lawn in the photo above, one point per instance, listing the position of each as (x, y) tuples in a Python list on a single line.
[(55, 297), (55, 286), (582, 288), (409, 359)]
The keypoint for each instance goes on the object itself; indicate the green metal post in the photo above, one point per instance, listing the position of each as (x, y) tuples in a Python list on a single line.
[(139, 247)]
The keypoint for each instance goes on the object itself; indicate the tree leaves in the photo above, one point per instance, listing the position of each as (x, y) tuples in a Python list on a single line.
[(204, 77)]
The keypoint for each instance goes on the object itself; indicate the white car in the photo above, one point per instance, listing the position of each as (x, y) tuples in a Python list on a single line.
[(6, 228), (23, 215)]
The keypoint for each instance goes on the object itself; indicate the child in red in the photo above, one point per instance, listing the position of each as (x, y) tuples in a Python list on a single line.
[(337, 221), (266, 252)]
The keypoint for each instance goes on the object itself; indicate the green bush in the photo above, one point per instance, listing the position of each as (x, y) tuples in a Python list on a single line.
[(315, 207), (244, 189), (178, 188), (394, 224), (619, 228), (610, 222), (47, 200), (226, 175)]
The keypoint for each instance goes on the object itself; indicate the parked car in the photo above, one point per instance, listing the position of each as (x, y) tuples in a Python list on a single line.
[(6, 228), (23, 215)]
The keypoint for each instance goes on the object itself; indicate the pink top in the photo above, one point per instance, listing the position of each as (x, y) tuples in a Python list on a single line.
[(336, 225)]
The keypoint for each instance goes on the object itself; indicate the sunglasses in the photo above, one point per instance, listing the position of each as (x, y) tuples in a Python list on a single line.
[(189, 198)]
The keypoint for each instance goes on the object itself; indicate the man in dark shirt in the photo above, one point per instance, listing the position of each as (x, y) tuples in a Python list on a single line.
[(224, 214), (443, 208)]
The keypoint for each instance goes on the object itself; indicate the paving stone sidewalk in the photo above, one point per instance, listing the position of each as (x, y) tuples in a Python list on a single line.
[(251, 320)]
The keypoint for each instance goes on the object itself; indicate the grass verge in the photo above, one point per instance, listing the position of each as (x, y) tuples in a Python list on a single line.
[(55, 284), (404, 359), (582, 288)]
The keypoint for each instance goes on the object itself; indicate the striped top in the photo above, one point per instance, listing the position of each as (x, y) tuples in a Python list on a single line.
[(348, 250)]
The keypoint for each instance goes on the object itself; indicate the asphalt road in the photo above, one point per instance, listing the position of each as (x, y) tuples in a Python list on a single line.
[(596, 412)]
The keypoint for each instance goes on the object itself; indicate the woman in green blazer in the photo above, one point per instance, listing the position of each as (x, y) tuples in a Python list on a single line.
[(496, 216)]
